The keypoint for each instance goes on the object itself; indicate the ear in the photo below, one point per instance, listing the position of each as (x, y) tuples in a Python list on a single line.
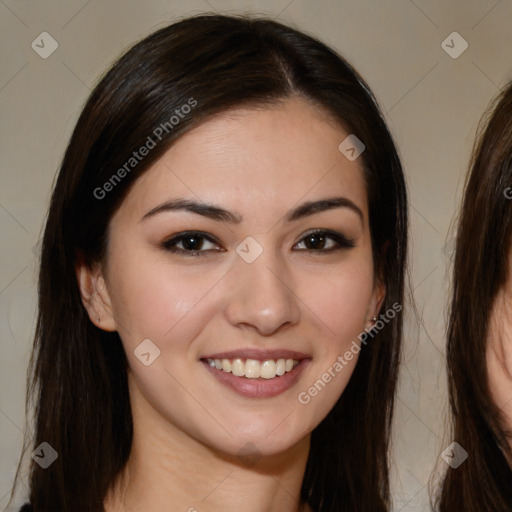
[(95, 296), (378, 296)]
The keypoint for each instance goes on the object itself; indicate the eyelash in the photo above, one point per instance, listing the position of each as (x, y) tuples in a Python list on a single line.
[(342, 241)]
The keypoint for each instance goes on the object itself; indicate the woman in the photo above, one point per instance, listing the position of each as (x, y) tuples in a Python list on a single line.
[(479, 335), (227, 225)]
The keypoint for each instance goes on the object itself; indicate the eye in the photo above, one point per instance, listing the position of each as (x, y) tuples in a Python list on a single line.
[(324, 240), (193, 243), (197, 243)]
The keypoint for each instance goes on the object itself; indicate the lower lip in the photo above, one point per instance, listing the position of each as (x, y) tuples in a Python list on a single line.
[(258, 388)]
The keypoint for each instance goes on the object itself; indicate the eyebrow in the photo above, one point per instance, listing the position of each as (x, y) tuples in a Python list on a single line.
[(220, 214)]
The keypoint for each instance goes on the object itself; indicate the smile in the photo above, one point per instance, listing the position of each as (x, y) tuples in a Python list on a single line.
[(254, 369), (254, 373)]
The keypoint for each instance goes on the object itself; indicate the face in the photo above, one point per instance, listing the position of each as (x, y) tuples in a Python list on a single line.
[(244, 256), (499, 350)]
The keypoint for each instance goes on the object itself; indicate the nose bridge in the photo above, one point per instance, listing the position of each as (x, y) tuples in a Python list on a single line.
[(261, 289)]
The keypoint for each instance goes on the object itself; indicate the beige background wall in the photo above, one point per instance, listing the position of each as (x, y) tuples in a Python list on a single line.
[(432, 102)]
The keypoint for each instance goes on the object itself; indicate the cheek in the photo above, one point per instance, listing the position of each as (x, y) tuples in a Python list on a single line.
[(500, 384), (341, 299), (158, 301), (499, 357)]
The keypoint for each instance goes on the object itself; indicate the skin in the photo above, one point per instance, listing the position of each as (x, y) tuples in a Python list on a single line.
[(499, 351), (188, 427)]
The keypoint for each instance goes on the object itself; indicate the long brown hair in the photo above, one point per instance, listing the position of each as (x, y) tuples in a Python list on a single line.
[(484, 480), (79, 378)]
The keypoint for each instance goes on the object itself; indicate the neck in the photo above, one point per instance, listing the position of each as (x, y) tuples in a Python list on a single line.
[(169, 470)]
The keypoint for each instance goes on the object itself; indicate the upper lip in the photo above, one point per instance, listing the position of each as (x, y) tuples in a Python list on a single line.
[(258, 354)]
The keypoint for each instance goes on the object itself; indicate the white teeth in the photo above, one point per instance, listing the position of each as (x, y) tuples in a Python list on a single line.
[(254, 369), (238, 368), (268, 369)]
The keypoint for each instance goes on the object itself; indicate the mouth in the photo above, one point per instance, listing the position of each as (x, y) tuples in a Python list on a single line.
[(254, 369), (257, 374)]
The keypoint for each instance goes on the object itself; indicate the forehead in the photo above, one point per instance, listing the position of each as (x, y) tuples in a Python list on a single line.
[(252, 159)]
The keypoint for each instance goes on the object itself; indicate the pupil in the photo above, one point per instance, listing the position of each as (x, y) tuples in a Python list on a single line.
[(315, 240), (192, 243)]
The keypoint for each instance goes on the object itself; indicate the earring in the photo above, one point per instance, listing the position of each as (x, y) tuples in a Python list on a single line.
[(374, 319)]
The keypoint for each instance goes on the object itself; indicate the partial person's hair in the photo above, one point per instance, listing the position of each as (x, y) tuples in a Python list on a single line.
[(480, 268), (78, 373)]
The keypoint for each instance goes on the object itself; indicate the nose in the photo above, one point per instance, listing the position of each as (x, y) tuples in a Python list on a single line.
[(261, 295)]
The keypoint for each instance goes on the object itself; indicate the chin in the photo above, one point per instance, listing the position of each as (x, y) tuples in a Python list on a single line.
[(257, 444)]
